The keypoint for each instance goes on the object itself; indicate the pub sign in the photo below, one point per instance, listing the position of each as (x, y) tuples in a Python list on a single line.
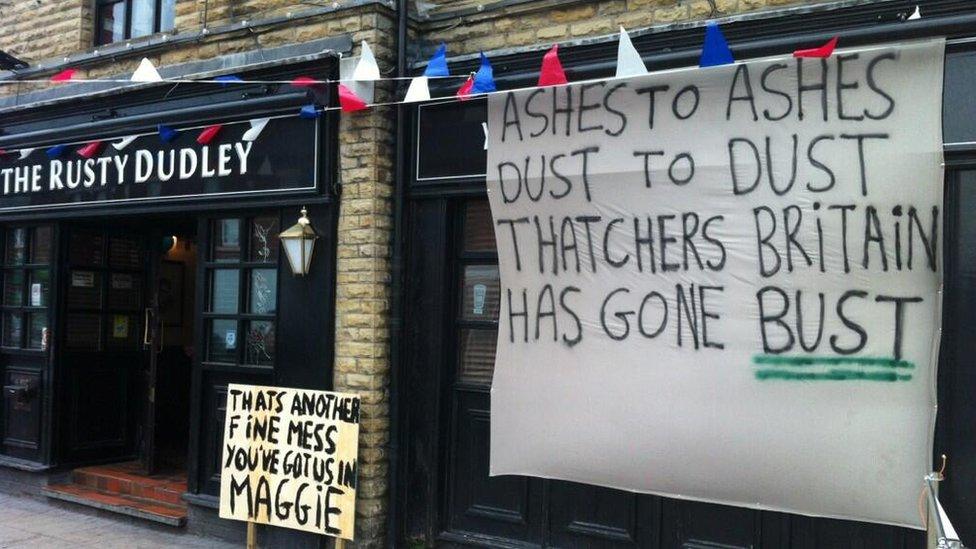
[(282, 159)]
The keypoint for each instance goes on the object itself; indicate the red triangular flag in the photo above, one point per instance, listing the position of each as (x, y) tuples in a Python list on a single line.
[(465, 90), (90, 149), (64, 76), (349, 101), (552, 73), (305, 82), (823, 51), (208, 133)]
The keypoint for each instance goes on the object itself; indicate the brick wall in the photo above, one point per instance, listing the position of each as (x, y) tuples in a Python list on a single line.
[(546, 22), (41, 29), (362, 357)]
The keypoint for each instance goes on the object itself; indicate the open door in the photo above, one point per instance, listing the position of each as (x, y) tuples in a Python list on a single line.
[(152, 342), (101, 352)]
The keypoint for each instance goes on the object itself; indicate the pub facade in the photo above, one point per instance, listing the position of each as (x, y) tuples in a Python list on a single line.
[(148, 276), (137, 286)]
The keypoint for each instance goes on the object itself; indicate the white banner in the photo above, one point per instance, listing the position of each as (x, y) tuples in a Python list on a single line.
[(723, 284)]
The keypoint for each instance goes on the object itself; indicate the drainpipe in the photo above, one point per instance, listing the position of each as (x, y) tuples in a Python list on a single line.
[(396, 320)]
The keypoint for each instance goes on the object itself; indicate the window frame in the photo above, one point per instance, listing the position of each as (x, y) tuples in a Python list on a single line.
[(100, 6), (104, 271), (244, 266), (463, 258), (25, 310)]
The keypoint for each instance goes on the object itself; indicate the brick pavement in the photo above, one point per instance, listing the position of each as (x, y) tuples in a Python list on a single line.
[(37, 524)]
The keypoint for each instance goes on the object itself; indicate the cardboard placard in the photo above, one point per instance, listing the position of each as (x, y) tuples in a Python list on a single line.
[(290, 458), (723, 284)]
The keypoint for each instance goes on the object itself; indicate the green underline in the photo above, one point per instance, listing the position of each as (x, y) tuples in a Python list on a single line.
[(831, 375), (775, 360)]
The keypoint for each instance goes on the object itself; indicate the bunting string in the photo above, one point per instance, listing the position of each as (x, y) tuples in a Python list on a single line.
[(220, 81), (715, 52)]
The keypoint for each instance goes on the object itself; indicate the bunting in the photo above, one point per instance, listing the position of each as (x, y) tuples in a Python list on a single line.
[(146, 72), (90, 150), (419, 90), (484, 79), (366, 69), (24, 153), (55, 151), (124, 142), (437, 66), (228, 79), (167, 134), (257, 126), (349, 101), (629, 61), (552, 73), (716, 50), (304, 82), (64, 76), (209, 133), (819, 52), (465, 90), (309, 112)]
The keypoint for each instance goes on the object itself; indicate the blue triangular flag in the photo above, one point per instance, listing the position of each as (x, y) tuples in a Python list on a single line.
[(309, 111), (484, 79), (437, 66), (55, 151), (167, 134), (716, 50), (228, 78)]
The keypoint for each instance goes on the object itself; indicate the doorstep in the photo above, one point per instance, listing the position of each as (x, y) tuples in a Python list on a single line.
[(119, 488)]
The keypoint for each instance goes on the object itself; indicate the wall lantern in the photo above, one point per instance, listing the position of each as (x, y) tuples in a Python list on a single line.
[(298, 240)]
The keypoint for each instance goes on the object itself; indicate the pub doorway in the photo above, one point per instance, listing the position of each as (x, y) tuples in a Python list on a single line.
[(124, 355)]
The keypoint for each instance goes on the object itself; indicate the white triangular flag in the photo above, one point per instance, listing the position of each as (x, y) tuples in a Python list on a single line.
[(916, 15), (629, 62), (257, 126), (366, 69), (124, 142), (24, 153), (146, 72), (418, 90)]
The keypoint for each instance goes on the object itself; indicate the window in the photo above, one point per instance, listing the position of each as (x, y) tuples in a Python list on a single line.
[(26, 287), (480, 287), (242, 291), (104, 294), (121, 19)]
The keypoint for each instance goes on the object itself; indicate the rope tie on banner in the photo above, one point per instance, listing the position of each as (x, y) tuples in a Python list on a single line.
[(940, 476)]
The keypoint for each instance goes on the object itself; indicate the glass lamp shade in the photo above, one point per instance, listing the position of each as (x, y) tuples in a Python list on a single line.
[(298, 242), (299, 253)]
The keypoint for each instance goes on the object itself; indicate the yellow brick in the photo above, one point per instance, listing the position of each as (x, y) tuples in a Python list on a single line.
[(574, 14), (598, 26), (555, 31), (678, 12), (748, 5)]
